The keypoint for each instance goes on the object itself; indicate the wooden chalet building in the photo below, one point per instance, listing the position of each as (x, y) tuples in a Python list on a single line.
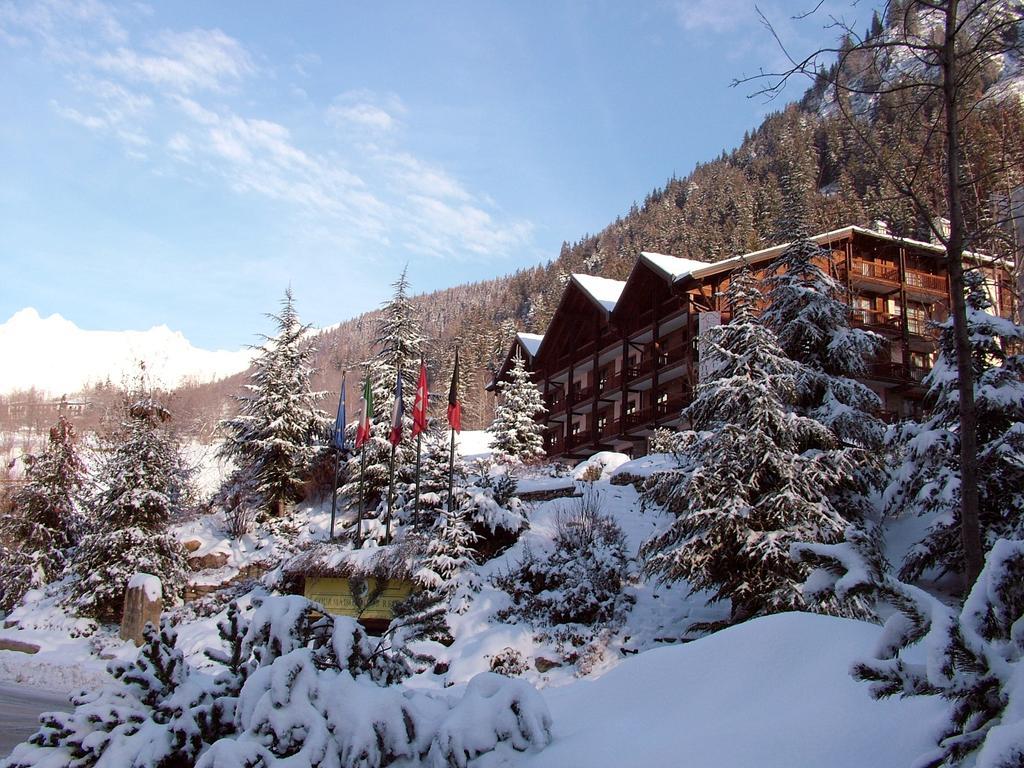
[(621, 358)]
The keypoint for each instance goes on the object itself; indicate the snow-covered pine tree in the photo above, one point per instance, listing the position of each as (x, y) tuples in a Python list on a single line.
[(928, 480), (400, 346), (278, 431), (45, 519), (143, 485), (450, 551), (517, 435), (813, 326), (759, 475)]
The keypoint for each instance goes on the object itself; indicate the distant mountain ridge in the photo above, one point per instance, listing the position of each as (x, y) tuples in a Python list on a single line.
[(55, 356)]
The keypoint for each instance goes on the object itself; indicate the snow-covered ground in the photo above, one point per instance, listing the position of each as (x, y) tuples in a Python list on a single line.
[(772, 692)]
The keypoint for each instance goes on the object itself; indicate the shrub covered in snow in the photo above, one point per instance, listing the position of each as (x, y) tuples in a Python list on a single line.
[(973, 658), (297, 689), (575, 587)]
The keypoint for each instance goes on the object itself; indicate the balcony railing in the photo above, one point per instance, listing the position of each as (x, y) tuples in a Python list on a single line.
[(581, 395), (647, 417), (898, 372), (888, 275), (875, 321), (926, 282), (583, 437), (871, 272), (554, 403)]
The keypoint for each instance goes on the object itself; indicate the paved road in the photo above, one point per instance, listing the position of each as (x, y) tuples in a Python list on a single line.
[(19, 712)]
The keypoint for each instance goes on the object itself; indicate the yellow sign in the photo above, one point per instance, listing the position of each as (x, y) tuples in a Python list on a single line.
[(361, 598)]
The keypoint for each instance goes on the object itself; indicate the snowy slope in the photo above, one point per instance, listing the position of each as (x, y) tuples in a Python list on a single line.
[(774, 693), (56, 356)]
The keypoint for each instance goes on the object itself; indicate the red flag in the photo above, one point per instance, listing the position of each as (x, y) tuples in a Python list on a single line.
[(365, 415), (419, 406), (454, 407), (397, 413)]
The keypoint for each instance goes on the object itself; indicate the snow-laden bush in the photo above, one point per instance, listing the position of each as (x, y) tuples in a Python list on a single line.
[(575, 587), (972, 658), (297, 688)]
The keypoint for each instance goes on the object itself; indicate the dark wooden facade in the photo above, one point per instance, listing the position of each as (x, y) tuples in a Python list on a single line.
[(613, 372)]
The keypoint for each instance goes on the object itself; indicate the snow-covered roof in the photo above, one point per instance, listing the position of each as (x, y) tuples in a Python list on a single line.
[(602, 291), (530, 341), (671, 267), (824, 238)]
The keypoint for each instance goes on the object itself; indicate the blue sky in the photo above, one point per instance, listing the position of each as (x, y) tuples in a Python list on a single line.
[(183, 163)]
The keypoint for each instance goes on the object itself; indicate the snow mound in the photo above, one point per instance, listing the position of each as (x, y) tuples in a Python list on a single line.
[(774, 692), (604, 462)]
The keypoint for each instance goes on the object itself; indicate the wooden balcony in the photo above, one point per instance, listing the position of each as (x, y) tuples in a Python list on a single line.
[(555, 403), (583, 437), (897, 373), (553, 443), (610, 428), (648, 418), (880, 322), (884, 278), (876, 276), (581, 395), (922, 286)]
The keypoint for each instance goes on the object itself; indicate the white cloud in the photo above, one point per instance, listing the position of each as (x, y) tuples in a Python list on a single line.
[(304, 62), (182, 61), (363, 115), (714, 15), (419, 177), (364, 110), (175, 102), (49, 20)]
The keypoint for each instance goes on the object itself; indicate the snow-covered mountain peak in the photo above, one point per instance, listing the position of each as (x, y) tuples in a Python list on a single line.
[(54, 355)]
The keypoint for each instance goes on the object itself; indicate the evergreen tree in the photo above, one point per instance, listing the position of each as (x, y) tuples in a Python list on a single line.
[(928, 480), (144, 485), (400, 346), (274, 438), (757, 476), (812, 325), (450, 551), (517, 436), (44, 523)]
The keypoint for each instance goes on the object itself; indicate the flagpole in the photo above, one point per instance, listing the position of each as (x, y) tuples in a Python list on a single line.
[(391, 497), (337, 451), (362, 498), (451, 474), (334, 487), (419, 443)]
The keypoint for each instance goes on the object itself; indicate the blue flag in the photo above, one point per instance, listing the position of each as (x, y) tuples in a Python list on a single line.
[(339, 422)]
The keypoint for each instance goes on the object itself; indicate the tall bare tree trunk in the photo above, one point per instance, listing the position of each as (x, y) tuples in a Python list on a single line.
[(970, 527)]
